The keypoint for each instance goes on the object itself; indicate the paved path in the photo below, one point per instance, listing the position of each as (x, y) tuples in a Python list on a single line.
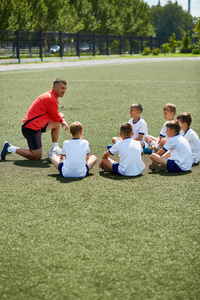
[(77, 63)]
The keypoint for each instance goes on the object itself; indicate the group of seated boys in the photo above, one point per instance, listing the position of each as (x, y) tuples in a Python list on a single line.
[(176, 149)]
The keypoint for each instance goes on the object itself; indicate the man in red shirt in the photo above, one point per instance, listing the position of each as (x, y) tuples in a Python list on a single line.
[(43, 115)]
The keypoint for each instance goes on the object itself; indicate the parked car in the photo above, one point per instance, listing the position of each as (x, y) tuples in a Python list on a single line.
[(87, 48), (55, 49)]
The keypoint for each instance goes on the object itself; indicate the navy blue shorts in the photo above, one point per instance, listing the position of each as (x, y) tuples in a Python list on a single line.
[(61, 165), (172, 166), (115, 168), (34, 137)]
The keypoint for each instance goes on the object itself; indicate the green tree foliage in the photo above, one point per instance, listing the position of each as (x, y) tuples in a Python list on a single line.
[(99, 16), (173, 42), (170, 19)]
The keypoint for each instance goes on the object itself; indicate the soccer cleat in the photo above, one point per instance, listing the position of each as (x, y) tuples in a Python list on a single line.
[(4, 151), (109, 146), (105, 169), (154, 166)]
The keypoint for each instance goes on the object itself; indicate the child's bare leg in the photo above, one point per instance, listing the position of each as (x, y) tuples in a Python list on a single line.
[(108, 163), (55, 160), (149, 137), (159, 159), (114, 139), (91, 161), (162, 142)]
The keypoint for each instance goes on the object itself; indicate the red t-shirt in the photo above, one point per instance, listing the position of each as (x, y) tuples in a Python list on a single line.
[(42, 110)]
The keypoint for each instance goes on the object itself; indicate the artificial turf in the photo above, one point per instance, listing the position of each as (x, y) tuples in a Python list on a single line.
[(104, 236)]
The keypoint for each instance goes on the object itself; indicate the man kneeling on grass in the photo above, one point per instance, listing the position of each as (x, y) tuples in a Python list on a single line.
[(175, 155), (129, 150), (75, 160)]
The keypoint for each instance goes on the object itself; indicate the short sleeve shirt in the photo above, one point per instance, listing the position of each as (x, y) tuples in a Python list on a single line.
[(75, 162)]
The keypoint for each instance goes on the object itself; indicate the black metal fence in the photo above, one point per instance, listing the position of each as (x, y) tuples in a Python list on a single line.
[(24, 44)]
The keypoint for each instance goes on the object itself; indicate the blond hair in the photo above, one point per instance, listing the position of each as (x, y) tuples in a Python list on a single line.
[(170, 107), (75, 128)]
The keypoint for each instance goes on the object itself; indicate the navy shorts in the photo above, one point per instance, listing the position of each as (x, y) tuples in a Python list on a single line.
[(61, 165), (172, 166), (34, 137), (115, 167)]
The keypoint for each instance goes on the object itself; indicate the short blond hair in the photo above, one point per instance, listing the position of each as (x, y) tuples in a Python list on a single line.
[(75, 128), (170, 107)]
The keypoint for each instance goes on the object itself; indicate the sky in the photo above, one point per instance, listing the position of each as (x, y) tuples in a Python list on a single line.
[(194, 5)]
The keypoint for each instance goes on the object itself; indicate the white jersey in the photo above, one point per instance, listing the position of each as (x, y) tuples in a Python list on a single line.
[(129, 151), (139, 127), (75, 162), (193, 139), (180, 152), (163, 131)]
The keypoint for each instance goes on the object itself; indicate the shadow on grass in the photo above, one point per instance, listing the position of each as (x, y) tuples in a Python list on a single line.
[(169, 174), (68, 180), (113, 176), (43, 163)]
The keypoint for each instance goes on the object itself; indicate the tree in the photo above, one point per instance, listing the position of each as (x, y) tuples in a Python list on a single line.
[(170, 19), (173, 42)]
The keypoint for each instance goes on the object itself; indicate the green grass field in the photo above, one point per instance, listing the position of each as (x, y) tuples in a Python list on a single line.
[(104, 236)]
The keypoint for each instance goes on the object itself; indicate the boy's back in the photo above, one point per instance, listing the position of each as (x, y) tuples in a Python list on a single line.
[(180, 152), (193, 139), (75, 162), (131, 163)]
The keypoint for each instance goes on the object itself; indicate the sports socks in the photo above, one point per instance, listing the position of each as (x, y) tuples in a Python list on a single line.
[(54, 144), (12, 149)]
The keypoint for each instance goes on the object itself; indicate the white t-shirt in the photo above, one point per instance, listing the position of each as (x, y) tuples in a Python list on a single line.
[(129, 151), (163, 131), (139, 127), (75, 162), (193, 139), (180, 152)]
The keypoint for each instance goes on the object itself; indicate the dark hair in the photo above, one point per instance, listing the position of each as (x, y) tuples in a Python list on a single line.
[(75, 128), (185, 118), (174, 125), (137, 106), (126, 129), (58, 81)]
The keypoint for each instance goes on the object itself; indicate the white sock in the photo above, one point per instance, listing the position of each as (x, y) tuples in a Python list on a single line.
[(152, 143), (54, 144), (12, 149)]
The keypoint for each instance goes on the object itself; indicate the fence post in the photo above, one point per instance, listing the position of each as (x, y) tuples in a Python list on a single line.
[(93, 43), (18, 45), (107, 50), (141, 43), (41, 45), (78, 44), (120, 44), (131, 50), (61, 46), (151, 42)]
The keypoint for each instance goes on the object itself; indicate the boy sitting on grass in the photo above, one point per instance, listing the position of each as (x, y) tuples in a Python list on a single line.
[(139, 126), (78, 161), (129, 150), (185, 119), (179, 155), (169, 111)]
